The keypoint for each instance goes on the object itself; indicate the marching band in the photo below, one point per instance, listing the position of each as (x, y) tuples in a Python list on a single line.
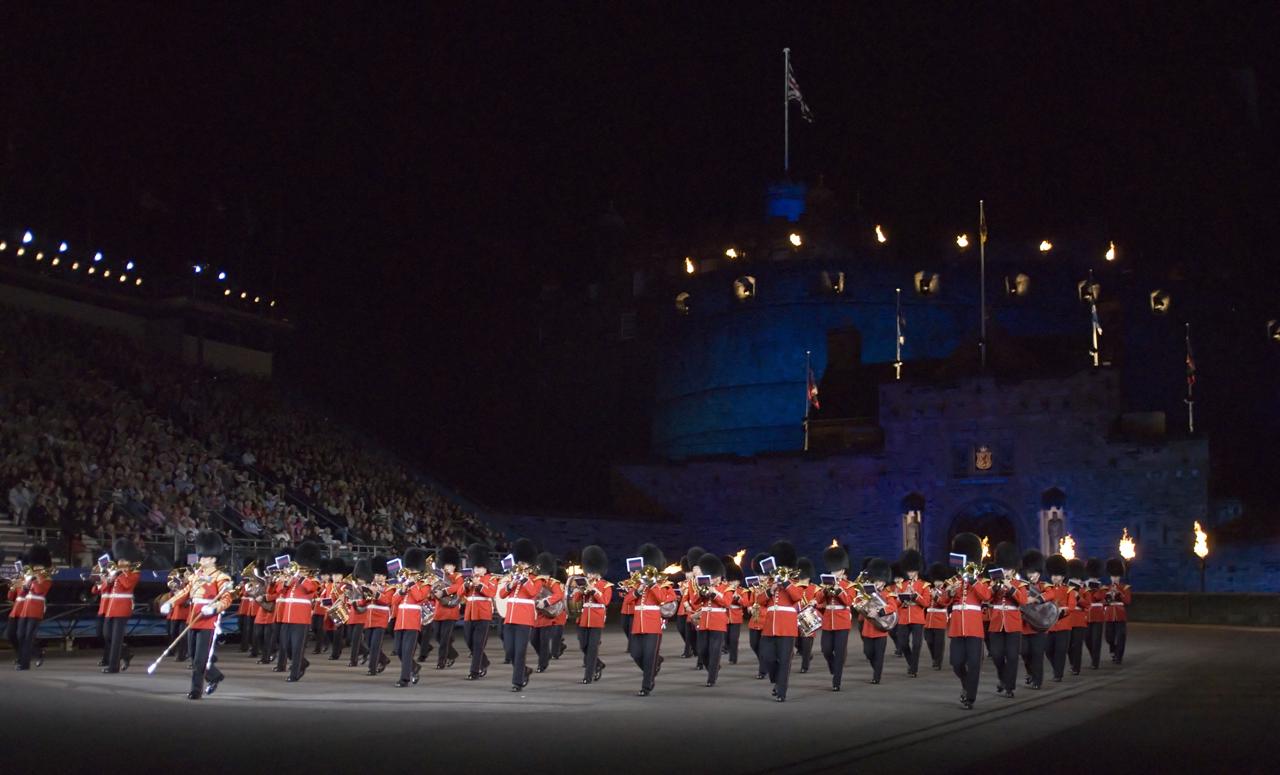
[(1007, 610)]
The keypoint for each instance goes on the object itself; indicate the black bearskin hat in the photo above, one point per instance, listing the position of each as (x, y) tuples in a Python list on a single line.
[(835, 558), (308, 555), (524, 551), (1032, 562), (711, 565), (733, 572), (652, 555), (38, 556), (363, 571), (594, 560), (209, 544), (448, 555), (1075, 569), (125, 550), (911, 560), (1056, 565), (969, 545), (1007, 555), (694, 554), (415, 559), (784, 553), (378, 565), (756, 560), (865, 562), (478, 556), (879, 570), (805, 566), (896, 570), (1115, 567), (1093, 568), (546, 563), (940, 571)]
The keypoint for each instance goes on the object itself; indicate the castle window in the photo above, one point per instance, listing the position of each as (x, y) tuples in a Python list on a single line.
[(682, 302), (912, 521), (833, 282), (744, 287), (1053, 519)]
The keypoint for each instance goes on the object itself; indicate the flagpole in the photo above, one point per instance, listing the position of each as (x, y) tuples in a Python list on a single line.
[(786, 114), (808, 399), (897, 340), (982, 283), (1191, 403)]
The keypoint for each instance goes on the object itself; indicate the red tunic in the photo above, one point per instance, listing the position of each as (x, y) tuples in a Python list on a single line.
[(119, 594), (480, 596), (1093, 600), (913, 612), (202, 591), (408, 606), (891, 604), (450, 613), (628, 603), (935, 616), (557, 594), (296, 601), (98, 589), (749, 597), (1079, 616), (264, 616), (648, 617), (179, 611), (836, 614), (715, 609), (19, 597), (1115, 610), (520, 602), (966, 609), (1065, 597), (780, 611), (380, 608), (1006, 616), (737, 602), (595, 602)]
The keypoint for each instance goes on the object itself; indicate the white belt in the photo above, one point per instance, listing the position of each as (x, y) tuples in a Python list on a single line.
[(936, 610), (295, 600), (1004, 608), (1117, 605), (119, 595), (966, 607), (735, 608), (835, 608), (1095, 605), (593, 605), (373, 607), (200, 601), (476, 598), (648, 607), (410, 607), (30, 598), (519, 600), (713, 609), (790, 608)]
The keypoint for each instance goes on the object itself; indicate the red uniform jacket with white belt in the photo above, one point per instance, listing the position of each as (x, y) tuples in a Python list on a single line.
[(749, 597), (1093, 598), (1115, 609), (628, 603), (480, 595), (935, 616), (1065, 597), (98, 589), (201, 591), (296, 601), (380, 609), (180, 608), (1079, 616), (595, 601), (18, 596), (648, 619), (34, 604), (737, 605), (780, 611), (834, 604), (450, 613), (247, 606), (275, 593), (557, 594), (913, 612), (966, 609), (408, 606), (891, 604), (1006, 615), (715, 609), (520, 602), (264, 616), (119, 594), (1049, 595)]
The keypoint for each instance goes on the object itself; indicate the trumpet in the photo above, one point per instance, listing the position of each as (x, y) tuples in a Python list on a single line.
[(968, 574)]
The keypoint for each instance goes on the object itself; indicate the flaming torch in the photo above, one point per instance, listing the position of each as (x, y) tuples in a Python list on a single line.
[(1202, 550), (573, 570), (1067, 547), (737, 558), (1127, 549), (986, 547), (834, 544), (670, 569)]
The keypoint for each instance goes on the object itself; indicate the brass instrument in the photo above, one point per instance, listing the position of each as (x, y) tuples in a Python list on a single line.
[(968, 574), (870, 605)]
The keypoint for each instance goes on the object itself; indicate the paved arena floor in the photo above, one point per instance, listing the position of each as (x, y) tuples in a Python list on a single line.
[(1188, 699)]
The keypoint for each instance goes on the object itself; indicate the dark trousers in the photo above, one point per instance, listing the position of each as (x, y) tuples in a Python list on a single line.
[(272, 644), (519, 634), (682, 627), (355, 634), (804, 647), (645, 653), (293, 641), (1033, 656), (476, 635), (626, 628), (27, 646), (835, 648), (337, 642), (317, 632), (1005, 649), (115, 628), (1093, 639), (406, 644), (442, 634), (174, 627), (708, 646), (936, 639), (894, 635), (691, 638), (246, 632), (910, 637), (966, 663), (376, 657), (731, 640), (101, 627), (873, 650), (776, 653), (202, 642), (589, 643), (546, 643), (505, 631), (1116, 634), (261, 641), (1055, 650), (1075, 648), (11, 635)]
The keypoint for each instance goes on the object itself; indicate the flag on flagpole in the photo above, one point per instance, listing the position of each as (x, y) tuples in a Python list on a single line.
[(793, 95), (813, 391), (1097, 324), (982, 223), (1191, 365)]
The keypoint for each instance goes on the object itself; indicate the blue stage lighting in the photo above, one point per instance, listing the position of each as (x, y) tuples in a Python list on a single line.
[(26, 238)]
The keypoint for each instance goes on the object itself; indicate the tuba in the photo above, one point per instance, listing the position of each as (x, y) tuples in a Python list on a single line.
[(1038, 613), (870, 605)]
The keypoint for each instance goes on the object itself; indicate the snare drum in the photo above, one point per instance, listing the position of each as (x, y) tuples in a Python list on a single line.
[(808, 621)]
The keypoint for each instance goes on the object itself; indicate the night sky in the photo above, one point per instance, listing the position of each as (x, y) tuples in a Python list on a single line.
[(405, 182)]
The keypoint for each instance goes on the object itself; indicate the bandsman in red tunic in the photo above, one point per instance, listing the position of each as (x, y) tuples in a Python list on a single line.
[(358, 595), (545, 636), (914, 595), (1060, 633), (1095, 596), (781, 606), (738, 603), (653, 594), (479, 588), (98, 588), (209, 594), (935, 616), (447, 596), (712, 622), (1079, 615), (879, 602), (593, 593), (521, 586), (413, 590), (30, 600), (835, 599), (247, 611), (1008, 595), (179, 613), (1116, 598), (753, 599), (967, 593), (118, 586), (379, 609), (809, 592), (294, 609), (1033, 639)]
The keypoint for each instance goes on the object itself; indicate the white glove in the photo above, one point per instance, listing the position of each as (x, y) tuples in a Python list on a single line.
[(166, 607), (209, 609)]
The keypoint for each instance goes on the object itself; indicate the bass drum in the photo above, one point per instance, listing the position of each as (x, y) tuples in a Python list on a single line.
[(500, 601), (1040, 616)]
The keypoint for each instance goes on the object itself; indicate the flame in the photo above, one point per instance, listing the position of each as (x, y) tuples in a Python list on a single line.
[(731, 252), (1127, 550), (672, 568), (1111, 251), (573, 570), (986, 547), (962, 241), (737, 558), (880, 235), (1202, 542), (1067, 547), (1045, 246), (795, 239), (834, 544), (688, 265)]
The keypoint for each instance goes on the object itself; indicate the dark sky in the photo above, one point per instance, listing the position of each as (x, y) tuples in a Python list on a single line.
[(404, 181)]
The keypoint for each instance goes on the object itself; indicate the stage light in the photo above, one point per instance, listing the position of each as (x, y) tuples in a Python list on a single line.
[(244, 295), (138, 281), (226, 292), (4, 246), (962, 241), (731, 253), (62, 247), (39, 256), (880, 236), (56, 261), (75, 266), (222, 275), (257, 299), (689, 267), (106, 273), (1111, 251), (27, 237), (22, 251), (1045, 246), (93, 269), (795, 239), (1273, 330), (129, 266), (97, 257), (124, 278), (197, 269), (273, 302), (1161, 301)]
